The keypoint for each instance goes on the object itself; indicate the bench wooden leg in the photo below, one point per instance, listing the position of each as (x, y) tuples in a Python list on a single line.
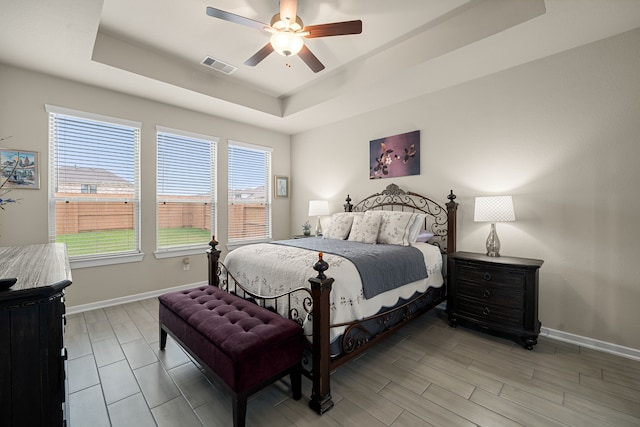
[(296, 381), (163, 338), (239, 404)]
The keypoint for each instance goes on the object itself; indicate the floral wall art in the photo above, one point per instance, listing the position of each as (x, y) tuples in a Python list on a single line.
[(395, 156)]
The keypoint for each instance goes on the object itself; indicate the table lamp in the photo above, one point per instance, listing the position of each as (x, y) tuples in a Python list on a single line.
[(318, 208), (494, 209)]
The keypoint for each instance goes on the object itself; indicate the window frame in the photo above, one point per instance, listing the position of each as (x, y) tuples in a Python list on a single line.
[(94, 260), (185, 250)]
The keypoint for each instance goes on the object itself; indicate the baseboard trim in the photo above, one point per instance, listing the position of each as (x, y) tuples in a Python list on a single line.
[(129, 298), (607, 347)]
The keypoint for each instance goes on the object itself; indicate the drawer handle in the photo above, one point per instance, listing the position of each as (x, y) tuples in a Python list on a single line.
[(487, 276), (486, 311), (486, 293)]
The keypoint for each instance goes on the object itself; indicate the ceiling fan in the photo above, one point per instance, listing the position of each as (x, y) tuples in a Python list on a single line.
[(287, 32)]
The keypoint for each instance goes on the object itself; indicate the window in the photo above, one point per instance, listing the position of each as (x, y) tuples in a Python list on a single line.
[(186, 168), (94, 186), (249, 193), (89, 189)]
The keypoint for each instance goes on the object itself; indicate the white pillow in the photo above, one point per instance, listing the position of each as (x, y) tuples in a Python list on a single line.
[(394, 227), (340, 226), (414, 229), (365, 228)]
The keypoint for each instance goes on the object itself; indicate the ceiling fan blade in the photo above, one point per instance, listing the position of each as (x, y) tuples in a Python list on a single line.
[(288, 10), (231, 17), (259, 55), (334, 29), (310, 59)]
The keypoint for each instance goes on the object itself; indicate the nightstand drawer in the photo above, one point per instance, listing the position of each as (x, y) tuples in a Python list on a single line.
[(481, 273), (488, 293), (489, 313)]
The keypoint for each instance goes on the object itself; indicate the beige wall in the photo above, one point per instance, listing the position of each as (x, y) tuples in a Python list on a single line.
[(22, 114), (562, 135)]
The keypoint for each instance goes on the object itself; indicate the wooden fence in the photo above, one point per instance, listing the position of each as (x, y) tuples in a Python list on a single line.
[(245, 220)]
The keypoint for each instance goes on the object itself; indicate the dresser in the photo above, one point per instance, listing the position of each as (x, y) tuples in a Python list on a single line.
[(32, 351), (499, 294)]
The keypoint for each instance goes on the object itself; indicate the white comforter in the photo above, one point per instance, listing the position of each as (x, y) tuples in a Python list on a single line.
[(269, 269)]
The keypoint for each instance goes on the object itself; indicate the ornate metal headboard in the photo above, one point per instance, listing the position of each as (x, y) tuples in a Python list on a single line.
[(440, 220)]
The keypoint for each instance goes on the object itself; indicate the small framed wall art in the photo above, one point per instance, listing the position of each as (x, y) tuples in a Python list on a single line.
[(281, 186), (19, 169)]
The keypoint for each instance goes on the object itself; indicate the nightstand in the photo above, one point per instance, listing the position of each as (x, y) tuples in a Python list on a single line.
[(302, 236), (499, 294)]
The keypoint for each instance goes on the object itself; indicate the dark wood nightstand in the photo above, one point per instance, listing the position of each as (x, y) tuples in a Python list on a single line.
[(303, 236), (495, 293)]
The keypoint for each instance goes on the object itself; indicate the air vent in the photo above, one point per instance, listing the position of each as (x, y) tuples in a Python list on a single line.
[(218, 65)]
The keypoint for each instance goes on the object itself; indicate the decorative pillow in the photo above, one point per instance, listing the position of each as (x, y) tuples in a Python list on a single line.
[(394, 227), (340, 226), (424, 236), (365, 228)]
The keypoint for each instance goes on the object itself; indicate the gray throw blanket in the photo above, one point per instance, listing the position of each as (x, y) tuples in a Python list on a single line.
[(381, 267)]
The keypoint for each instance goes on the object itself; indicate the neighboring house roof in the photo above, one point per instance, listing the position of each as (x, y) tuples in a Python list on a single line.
[(84, 175), (247, 193), (75, 175)]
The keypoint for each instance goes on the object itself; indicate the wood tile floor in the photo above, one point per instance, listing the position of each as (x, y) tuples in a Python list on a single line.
[(426, 374)]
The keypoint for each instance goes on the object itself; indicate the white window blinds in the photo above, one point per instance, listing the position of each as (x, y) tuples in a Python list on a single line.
[(186, 168), (94, 183), (249, 192)]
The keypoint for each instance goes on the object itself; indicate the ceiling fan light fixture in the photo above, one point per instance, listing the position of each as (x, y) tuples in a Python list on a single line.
[(287, 32), (286, 43)]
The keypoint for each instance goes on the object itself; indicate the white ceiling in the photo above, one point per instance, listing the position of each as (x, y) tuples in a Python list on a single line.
[(153, 49)]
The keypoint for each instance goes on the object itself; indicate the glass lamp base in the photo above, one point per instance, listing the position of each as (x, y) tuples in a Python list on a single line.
[(493, 243), (318, 228)]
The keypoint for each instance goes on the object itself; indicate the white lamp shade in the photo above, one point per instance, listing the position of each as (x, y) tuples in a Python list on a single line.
[(494, 209), (318, 207)]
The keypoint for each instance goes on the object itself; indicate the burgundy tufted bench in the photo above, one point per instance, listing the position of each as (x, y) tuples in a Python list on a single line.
[(244, 346)]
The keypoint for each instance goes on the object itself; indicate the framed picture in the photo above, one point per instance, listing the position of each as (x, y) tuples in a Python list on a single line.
[(19, 169), (395, 156), (281, 186)]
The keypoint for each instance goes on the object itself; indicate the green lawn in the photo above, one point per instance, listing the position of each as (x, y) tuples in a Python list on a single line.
[(122, 240), (183, 236)]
